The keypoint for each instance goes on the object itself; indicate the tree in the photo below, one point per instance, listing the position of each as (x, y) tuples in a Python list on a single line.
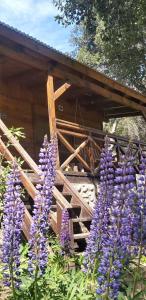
[(113, 36)]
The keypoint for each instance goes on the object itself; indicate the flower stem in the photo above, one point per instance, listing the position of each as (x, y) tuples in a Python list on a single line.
[(35, 283), (139, 260), (12, 281)]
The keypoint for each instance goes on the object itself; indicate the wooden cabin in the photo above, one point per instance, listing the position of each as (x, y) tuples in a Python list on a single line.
[(45, 91)]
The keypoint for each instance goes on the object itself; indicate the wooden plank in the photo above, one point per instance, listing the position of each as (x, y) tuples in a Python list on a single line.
[(76, 134), (27, 184), (18, 147), (74, 79), (95, 144), (72, 156), (72, 150), (79, 236), (51, 106), (95, 88), (52, 112), (32, 191), (25, 180), (68, 62), (23, 57), (75, 194), (61, 90), (93, 131)]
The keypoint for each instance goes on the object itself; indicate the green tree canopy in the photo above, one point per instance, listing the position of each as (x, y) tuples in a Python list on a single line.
[(113, 36)]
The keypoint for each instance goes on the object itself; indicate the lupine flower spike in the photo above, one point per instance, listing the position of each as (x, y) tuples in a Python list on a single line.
[(64, 235), (38, 242), (12, 226), (140, 215), (100, 221), (118, 245)]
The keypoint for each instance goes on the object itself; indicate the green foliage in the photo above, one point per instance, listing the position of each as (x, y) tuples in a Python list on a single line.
[(60, 281), (133, 128), (65, 280), (115, 30)]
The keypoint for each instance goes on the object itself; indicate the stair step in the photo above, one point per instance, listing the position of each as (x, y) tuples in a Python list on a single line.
[(74, 211), (79, 236), (59, 187), (76, 220), (53, 207), (67, 196)]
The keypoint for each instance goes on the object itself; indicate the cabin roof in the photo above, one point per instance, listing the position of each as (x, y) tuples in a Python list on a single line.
[(22, 47)]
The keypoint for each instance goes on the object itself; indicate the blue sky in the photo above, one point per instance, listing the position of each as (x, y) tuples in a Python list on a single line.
[(36, 18)]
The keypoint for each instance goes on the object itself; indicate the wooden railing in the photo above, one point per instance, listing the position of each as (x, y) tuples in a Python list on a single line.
[(89, 143), (61, 197)]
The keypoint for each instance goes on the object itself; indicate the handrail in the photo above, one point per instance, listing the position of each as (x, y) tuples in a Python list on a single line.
[(76, 126), (58, 196), (18, 147)]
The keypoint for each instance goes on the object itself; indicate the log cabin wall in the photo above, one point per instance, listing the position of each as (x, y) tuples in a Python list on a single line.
[(23, 107), (23, 103)]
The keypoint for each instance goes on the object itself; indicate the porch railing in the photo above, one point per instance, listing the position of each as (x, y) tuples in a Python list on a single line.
[(84, 145)]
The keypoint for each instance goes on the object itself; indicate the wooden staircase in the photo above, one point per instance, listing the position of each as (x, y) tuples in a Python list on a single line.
[(64, 195)]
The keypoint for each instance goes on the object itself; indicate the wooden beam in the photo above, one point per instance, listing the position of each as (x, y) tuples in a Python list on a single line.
[(51, 54), (72, 150), (76, 79), (95, 88), (23, 58), (51, 106), (52, 112), (86, 207), (95, 144), (18, 147), (72, 156), (26, 183), (76, 134), (61, 90)]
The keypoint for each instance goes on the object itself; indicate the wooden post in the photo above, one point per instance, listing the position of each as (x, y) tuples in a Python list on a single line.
[(51, 107), (52, 112)]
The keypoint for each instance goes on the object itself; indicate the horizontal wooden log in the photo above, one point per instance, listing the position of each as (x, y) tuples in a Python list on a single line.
[(95, 88), (73, 133), (75, 66), (73, 78)]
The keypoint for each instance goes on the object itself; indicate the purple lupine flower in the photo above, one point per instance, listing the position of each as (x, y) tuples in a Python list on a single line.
[(64, 234), (101, 213), (12, 226), (117, 247), (38, 252), (139, 231)]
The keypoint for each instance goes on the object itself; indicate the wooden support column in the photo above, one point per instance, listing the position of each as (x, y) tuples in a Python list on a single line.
[(51, 107), (52, 112)]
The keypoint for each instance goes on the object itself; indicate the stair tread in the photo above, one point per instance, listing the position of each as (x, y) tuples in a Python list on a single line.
[(82, 235), (81, 219)]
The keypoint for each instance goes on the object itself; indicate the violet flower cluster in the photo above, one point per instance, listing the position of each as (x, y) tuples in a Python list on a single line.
[(12, 226), (64, 234), (139, 232), (101, 213), (38, 252), (118, 246)]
